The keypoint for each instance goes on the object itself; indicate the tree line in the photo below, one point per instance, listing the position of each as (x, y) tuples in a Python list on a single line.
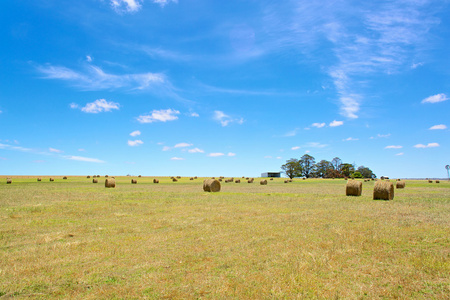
[(307, 167)]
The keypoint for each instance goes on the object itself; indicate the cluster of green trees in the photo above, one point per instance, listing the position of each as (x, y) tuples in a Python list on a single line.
[(307, 167)]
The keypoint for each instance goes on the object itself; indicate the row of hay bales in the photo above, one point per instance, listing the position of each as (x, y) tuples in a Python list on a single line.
[(382, 190)]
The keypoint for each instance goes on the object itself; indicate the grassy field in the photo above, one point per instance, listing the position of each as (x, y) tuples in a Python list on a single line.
[(306, 239)]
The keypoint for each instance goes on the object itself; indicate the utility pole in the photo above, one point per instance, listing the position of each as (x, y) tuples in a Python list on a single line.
[(448, 168)]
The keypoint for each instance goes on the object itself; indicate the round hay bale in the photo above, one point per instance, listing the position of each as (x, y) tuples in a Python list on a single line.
[(94, 180), (437, 181), (8, 181), (353, 188), (383, 190), (178, 177), (238, 181), (106, 176), (400, 185), (140, 176), (430, 181), (220, 179), (271, 178), (290, 180), (192, 178), (286, 181), (51, 179), (155, 180), (39, 179), (133, 181), (110, 183), (174, 180), (304, 178), (88, 176), (211, 185), (213, 177), (195, 177), (65, 177), (263, 182)]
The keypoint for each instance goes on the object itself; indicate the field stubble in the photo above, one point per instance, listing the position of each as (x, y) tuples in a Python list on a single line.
[(306, 239)]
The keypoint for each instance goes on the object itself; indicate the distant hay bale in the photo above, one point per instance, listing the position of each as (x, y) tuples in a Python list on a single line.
[(65, 177), (213, 177), (211, 185), (353, 188), (88, 176), (8, 181), (437, 181), (430, 181), (140, 176), (178, 177), (133, 181), (304, 178), (192, 178), (290, 180), (195, 177), (94, 180), (39, 179), (238, 181), (286, 181), (398, 179), (51, 179), (110, 183), (98, 176), (400, 185), (155, 180), (106, 176), (271, 178), (383, 190), (263, 182), (174, 180), (220, 179)]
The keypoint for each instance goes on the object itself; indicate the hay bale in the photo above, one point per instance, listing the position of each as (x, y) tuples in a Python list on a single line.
[(39, 179), (353, 188), (400, 185), (110, 183), (263, 182), (213, 177), (133, 181), (94, 180), (174, 180), (139, 176), (51, 179), (290, 180), (220, 179), (286, 181), (430, 181), (88, 176), (192, 178), (304, 178), (383, 190), (65, 177), (195, 177), (178, 177), (238, 181), (271, 178), (155, 180), (211, 185), (106, 176), (437, 181), (8, 181)]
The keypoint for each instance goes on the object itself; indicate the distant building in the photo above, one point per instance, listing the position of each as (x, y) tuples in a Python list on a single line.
[(271, 174)]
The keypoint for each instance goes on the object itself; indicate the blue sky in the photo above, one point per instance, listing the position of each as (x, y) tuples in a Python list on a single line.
[(232, 88)]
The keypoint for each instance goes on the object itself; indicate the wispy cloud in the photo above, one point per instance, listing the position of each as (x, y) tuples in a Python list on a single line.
[(182, 145), (438, 127), (162, 115), (291, 133), (429, 145), (216, 154), (99, 105), (166, 148), (55, 150), (350, 139), (318, 125), (84, 159), (177, 158), (135, 133), (436, 98), (231, 154), (336, 123), (132, 6), (135, 143), (400, 154), (94, 78), (393, 147), (295, 148), (196, 150), (194, 114), (225, 119), (381, 136), (314, 145)]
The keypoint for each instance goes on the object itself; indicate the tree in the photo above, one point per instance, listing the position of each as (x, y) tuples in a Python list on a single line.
[(322, 168), (366, 172), (307, 165), (336, 162), (347, 169), (357, 174), (292, 168)]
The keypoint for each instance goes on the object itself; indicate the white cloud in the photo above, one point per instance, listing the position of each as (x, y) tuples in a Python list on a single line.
[(268, 156), (381, 136), (100, 105), (438, 127), (85, 159), (295, 148), (73, 105), (435, 98), (350, 139), (216, 154), (81, 150), (126, 5), (318, 125), (231, 154), (162, 115), (291, 133), (55, 150), (399, 154), (393, 147), (278, 157), (88, 58), (196, 150), (164, 2), (166, 148), (225, 119), (177, 158), (336, 123), (94, 78), (135, 133), (429, 145), (315, 145), (182, 145), (194, 114), (135, 143)]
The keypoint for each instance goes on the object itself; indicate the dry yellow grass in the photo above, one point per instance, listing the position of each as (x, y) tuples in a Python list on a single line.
[(72, 239)]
